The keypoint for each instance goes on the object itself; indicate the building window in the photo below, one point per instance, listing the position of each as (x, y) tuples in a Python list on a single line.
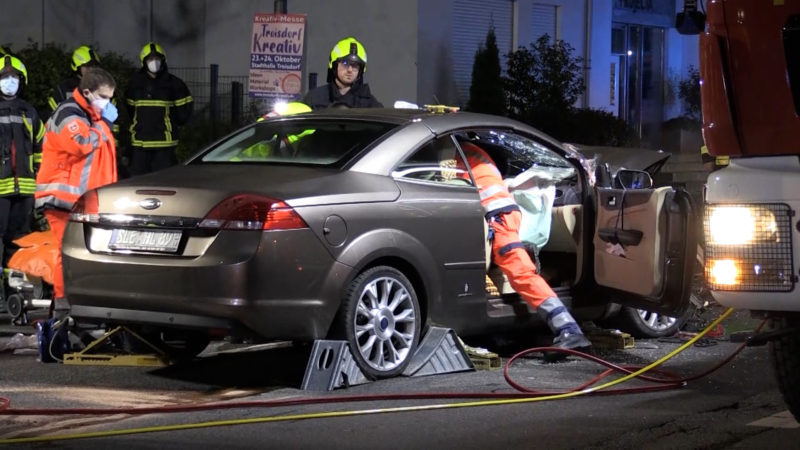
[(544, 20), (639, 5), (472, 20)]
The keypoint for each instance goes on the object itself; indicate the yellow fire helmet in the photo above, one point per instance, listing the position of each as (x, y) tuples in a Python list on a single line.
[(150, 48), (286, 109), (349, 48), (84, 55), (12, 64)]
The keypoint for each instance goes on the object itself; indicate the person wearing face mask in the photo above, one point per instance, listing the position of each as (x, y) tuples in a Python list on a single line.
[(159, 104), (346, 87), (21, 134), (79, 154)]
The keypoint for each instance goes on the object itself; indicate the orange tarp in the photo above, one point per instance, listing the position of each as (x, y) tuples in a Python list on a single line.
[(37, 255)]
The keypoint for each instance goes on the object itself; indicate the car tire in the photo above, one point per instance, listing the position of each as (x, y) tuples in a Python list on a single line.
[(381, 320), (786, 361), (15, 306), (647, 324)]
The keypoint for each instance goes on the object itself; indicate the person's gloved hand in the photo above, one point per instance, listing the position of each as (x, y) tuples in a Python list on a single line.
[(110, 112)]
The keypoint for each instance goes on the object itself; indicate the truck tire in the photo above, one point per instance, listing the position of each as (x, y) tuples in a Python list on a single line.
[(786, 361)]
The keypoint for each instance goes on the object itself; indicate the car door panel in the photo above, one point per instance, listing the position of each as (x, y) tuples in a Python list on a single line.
[(643, 246), (453, 232)]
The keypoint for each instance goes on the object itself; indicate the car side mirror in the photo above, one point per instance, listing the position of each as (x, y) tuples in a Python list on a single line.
[(633, 179)]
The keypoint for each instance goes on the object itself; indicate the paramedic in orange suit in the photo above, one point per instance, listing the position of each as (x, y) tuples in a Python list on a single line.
[(79, 154), (508, 251)]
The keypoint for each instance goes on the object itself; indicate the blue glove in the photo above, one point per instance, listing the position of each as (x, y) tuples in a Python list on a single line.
[(110, 112)]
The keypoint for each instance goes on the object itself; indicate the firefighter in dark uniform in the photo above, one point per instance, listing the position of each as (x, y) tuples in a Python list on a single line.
[(346, 87), (82, 58), (21, 135), (158, 104)]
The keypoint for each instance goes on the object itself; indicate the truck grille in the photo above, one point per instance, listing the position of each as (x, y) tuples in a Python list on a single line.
[(763, 263)]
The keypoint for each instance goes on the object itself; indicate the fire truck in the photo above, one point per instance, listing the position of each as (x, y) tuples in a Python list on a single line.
[(750, 94)]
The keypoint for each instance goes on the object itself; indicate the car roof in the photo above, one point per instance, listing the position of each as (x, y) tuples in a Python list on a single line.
[(437, 122)]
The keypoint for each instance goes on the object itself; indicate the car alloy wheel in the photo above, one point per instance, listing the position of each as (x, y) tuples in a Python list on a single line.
[(647, 324), (382, 321), (659, 323)]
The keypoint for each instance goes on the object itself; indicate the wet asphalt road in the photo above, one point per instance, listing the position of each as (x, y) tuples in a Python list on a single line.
[(718, 411)]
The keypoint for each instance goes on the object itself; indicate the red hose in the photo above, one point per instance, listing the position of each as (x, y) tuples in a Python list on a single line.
[(668, 381)]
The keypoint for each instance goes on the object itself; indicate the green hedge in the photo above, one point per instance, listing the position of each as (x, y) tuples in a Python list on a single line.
[(48, 65)]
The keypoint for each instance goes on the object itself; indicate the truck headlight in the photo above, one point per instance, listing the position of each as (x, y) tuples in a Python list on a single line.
[(723, 272), (738, 225), (749, 247)]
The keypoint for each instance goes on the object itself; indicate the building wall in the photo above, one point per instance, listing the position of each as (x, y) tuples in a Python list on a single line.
[(197, 33), (388, 30), (435, 83), (408, 42)]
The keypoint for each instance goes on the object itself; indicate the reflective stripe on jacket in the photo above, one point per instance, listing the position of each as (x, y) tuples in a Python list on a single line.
[(79, 154), (495, 197), (63, 91), (158, 107), (21, 134)]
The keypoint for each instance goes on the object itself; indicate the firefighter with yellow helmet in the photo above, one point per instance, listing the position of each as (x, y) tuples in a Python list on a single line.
[(21, 135), (346, 87), (82, 58), (284, 144), (159, 104)]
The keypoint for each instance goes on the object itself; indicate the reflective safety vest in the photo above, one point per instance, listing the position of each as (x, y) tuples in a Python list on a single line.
[(21, 134), (78, 154), (158, 107), (62, 92), (494, 194)]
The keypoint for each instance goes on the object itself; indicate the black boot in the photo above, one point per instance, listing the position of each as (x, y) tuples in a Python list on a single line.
[(568, 334)]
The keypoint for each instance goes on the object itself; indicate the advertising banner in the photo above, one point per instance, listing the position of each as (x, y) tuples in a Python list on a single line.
[(276, 55)]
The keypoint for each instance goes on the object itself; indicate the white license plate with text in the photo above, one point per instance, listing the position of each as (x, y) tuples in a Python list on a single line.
[(153, 241)]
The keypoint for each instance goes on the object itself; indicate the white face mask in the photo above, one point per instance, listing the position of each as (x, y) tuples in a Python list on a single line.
[(154, 65), (100, 103), (9, 86)]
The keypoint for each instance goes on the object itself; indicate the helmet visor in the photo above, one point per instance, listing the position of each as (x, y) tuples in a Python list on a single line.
[(352, 61)]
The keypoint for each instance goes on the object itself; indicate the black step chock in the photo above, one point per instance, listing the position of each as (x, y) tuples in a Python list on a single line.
[(331, 364)]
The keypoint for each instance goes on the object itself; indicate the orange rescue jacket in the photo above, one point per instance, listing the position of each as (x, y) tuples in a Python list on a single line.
[(495, 197), (78, 154)]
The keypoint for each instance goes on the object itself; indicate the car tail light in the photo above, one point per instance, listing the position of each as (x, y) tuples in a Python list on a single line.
[(86, 209), (252, 212)]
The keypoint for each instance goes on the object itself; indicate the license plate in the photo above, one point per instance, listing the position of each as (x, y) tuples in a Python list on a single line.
[(152, 241)]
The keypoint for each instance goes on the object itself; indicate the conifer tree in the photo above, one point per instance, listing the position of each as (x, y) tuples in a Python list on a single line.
[(486, 91)]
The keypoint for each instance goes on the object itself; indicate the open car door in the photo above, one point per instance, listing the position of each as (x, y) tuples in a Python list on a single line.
[(644, 244)]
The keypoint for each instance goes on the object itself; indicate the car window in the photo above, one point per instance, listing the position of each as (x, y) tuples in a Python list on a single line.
[(436, 161), (525, 163), (323, 142), (514, 154)]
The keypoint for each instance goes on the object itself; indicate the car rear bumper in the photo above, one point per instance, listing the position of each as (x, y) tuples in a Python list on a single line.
[(279, 285)]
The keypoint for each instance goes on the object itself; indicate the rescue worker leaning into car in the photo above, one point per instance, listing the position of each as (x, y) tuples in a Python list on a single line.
[(508, 251), (346, 87), (159, 104), (79, 154), (21, 133), (265, 149)]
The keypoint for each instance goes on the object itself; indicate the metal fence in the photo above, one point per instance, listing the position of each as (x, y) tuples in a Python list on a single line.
[(220, 99)]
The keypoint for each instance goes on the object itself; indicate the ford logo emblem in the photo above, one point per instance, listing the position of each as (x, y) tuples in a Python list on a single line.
[(150, 203)]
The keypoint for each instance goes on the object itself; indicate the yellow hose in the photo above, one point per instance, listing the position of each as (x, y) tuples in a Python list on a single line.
[(362, 412)]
